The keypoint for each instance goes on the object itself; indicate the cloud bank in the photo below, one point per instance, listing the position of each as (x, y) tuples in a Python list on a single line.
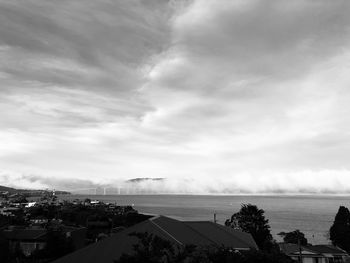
[(216, 96)]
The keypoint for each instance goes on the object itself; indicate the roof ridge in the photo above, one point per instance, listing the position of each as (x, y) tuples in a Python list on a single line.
[(154, 217), (166, 232)]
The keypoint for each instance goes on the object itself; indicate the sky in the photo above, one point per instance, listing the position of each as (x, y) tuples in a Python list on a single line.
[(236, 96)]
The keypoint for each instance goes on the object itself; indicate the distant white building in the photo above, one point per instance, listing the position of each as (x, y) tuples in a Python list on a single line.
[(94, 202), (30, 204), (315, 254)]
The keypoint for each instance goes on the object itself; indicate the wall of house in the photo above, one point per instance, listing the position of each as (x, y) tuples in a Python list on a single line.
[(308, 260), (29, 247), (311, 260)]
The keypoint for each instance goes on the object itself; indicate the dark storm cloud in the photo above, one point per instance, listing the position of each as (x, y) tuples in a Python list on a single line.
[(96, 46)]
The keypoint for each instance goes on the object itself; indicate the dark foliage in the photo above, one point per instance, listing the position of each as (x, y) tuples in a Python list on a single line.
[(20, 199), (47, 211), (57, 245), (339, 232), (252, 220), (18, 219), (295, 237), (264, 257), (98, 219), (152, 249)]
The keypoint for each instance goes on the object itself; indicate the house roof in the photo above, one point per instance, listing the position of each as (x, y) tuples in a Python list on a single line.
[(293, 249), (34, 234), (71, 228), (222, 235), (178, 232), (328, 249), (24, 234), (316, 250)]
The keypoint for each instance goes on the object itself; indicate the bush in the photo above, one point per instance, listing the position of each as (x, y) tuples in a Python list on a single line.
[(153, 249)]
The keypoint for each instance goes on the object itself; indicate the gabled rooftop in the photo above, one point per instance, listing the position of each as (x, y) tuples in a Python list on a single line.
[(316, 250), (178, 232), (328, 249)]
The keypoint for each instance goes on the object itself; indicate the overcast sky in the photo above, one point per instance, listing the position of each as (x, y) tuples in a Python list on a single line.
[(215, 96)]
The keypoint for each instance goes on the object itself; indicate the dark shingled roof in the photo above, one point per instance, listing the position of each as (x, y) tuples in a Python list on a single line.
[(181, 233), (222, 235), (25, 234)]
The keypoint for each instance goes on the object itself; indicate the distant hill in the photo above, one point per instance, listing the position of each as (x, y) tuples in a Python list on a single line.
[(29, 191), (139, 180), (14, 190), (7, 189)]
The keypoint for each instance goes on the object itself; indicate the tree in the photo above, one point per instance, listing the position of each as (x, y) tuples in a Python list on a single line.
[(149, 249), (294, 237), (340, 230), (153, 249), (20, 199), (252, 220), (57, 244)]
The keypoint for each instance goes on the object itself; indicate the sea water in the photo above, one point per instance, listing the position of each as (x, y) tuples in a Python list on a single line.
[(313, 215)]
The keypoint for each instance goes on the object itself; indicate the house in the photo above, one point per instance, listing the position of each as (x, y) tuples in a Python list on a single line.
[(9, 211), (39, 220), (200, 233), (331, 253), (95, 202), (30, 204), (315, 254), (29, 240)]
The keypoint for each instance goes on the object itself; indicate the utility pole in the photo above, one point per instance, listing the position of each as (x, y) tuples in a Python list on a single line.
[(300, 254)]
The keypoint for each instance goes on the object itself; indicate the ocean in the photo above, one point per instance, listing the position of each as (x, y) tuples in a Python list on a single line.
[(313, 215)]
